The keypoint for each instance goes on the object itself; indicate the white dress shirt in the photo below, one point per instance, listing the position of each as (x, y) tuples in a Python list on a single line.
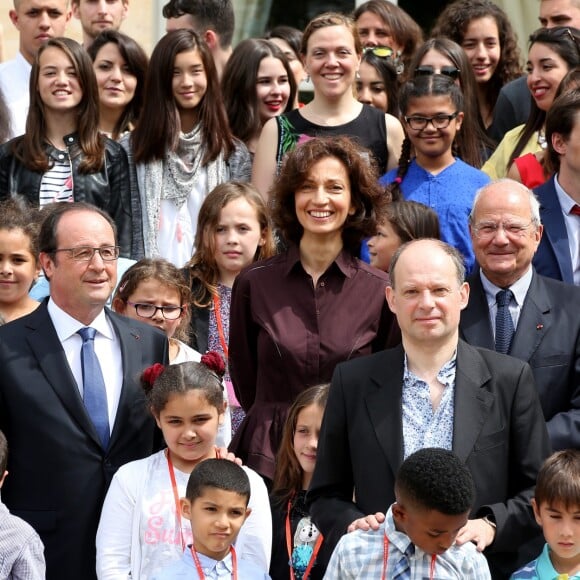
[(107, 349), (519, 289), (14, 83)]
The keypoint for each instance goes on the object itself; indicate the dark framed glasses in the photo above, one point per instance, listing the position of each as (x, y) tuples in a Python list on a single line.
[(149, 310), (438, 121), (449, 71)]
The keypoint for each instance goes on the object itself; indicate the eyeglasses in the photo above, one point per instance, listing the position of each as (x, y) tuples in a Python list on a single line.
[(86, 253), (149, 310), (488, 230), (448, 71), (438, 121)]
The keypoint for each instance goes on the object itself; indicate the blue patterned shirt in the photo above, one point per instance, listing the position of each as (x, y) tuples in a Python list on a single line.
[(359, 555), (541, 569), (212, 569), (450, 193), (423, 426)]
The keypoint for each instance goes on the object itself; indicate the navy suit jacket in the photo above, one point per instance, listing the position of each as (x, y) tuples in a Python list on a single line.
[(552, 258), (548, 338), (499, 431), (59, 473)]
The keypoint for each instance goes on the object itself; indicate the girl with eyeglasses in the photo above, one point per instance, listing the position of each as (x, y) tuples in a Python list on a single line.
[(553, 53), (429, 172), (331, 50), (486, 35), (443, 56)]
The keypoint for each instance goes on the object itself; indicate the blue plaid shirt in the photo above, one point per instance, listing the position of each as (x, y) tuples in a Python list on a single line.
[(422, 426), (359, 555)]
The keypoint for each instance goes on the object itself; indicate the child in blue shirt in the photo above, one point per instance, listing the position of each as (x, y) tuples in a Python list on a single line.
[(434, 493), (216, 503), (556, 506)]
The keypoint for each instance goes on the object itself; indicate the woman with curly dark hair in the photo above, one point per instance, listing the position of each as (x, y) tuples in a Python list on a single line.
[(484, 31), (293, 317)]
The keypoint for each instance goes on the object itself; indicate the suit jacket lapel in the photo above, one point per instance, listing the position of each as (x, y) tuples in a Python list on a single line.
[(46, 347), (384, 404), (555, 229), (475, 324), (132, 357), (472, 402), (534, 321)]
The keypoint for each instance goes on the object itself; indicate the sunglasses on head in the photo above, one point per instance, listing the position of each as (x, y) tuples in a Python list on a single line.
[(380, 51), (449, 71)]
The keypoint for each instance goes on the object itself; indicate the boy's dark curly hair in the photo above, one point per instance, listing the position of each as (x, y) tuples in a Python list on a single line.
[(435, 479)]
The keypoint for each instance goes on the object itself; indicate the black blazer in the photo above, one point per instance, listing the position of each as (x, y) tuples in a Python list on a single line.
[(548, 338), (59, 473), (498, 431)]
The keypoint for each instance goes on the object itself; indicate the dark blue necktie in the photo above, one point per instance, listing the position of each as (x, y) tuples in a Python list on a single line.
[(94, 392), (504, 325), (402, 571)]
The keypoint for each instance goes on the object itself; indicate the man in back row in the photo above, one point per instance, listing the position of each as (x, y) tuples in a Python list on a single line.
[(213, 20), (99, 15)]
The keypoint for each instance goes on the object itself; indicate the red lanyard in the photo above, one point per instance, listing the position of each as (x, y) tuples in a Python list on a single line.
[(386, 558), (289, 547), (220, 326), (176, 493), (200, 569)]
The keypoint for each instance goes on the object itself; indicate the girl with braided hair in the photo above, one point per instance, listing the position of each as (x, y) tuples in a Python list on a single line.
[(429, 171), (141, 528)]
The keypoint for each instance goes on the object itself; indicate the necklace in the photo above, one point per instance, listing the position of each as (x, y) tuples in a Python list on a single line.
[(542, 139)]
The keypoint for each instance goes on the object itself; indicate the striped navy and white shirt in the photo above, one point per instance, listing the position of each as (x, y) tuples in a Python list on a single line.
[(57, 183)]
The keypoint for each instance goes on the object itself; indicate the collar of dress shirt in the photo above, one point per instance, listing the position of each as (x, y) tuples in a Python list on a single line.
[(209, 564), (399, 539), (519, 288), (344, 261), (565, 201), (67, 326)]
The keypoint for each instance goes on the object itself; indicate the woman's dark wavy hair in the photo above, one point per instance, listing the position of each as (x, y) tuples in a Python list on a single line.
[(472, 140), (367, 196), (160, 123), (29, 149), (406, 32), (564, 41), (422, 86), (288, 473), (239, 85), (137, 62), (388, 74), (453, 23)]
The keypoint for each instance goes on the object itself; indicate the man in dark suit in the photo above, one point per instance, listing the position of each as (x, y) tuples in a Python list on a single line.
[(434, 391), (544, 323), (558, 255), (72, 412)]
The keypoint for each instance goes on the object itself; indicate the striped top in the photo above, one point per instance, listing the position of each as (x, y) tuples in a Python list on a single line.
[(57, 183)]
